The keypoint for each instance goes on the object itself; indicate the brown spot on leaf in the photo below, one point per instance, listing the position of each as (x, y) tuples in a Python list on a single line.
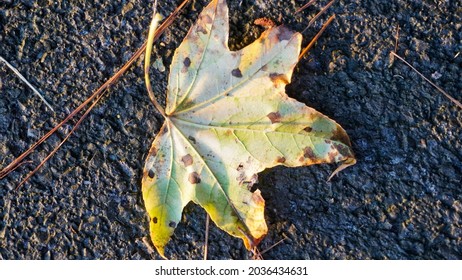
[(151, 173), (201, 29), (187, 62), (253, 180), (194, 178), (301, 159), (275, 117), (242, 176), (207, 19), (308, 153), (154, 220), (236, 73), (284, 33), (308, 129), (163, 130), (240, 167), (332, 156), (187, 160), (192, 139), (172, 224), (187, 103), (280, 159), (343, 150), (152, 154), (327, 141), (278, 79), (340, 135)]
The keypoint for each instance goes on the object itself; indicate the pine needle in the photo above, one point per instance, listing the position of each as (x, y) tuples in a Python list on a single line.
[(27, 82), (13, 165), (61, 143), (311, 44), (455, 101), (323, 10), (305, 6), (272, 246)]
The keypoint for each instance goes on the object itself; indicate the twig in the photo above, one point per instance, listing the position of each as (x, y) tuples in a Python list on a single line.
[(310, 45), (27, 82), (111, 81), (429, 81)]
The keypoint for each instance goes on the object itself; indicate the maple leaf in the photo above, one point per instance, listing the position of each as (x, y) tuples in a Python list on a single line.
[(227, 118)]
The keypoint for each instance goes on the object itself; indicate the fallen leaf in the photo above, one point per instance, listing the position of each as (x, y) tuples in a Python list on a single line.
[(227, 119)]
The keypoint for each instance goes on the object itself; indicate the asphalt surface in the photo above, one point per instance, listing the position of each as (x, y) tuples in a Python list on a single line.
[(402, 200)]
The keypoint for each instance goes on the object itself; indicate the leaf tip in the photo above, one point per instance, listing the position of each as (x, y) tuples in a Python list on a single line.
[(161, 251)]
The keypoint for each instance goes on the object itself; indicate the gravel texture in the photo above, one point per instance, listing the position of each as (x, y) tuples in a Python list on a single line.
[(402, 200)]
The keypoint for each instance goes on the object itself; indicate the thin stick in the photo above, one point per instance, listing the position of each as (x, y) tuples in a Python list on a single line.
[(311, 44), (147, 59), (27, 82), (305, 6), (206, 245), (428, 80), (323, 10), (112, 80), (60, 144)]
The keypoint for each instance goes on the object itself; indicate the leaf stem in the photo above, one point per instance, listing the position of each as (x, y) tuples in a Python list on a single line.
[(147, 61)]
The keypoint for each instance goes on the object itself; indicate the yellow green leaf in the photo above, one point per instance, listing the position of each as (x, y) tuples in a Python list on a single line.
[(227, 119)]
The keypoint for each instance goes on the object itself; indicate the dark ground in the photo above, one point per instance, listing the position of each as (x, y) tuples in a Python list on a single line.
[(403, 200)]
